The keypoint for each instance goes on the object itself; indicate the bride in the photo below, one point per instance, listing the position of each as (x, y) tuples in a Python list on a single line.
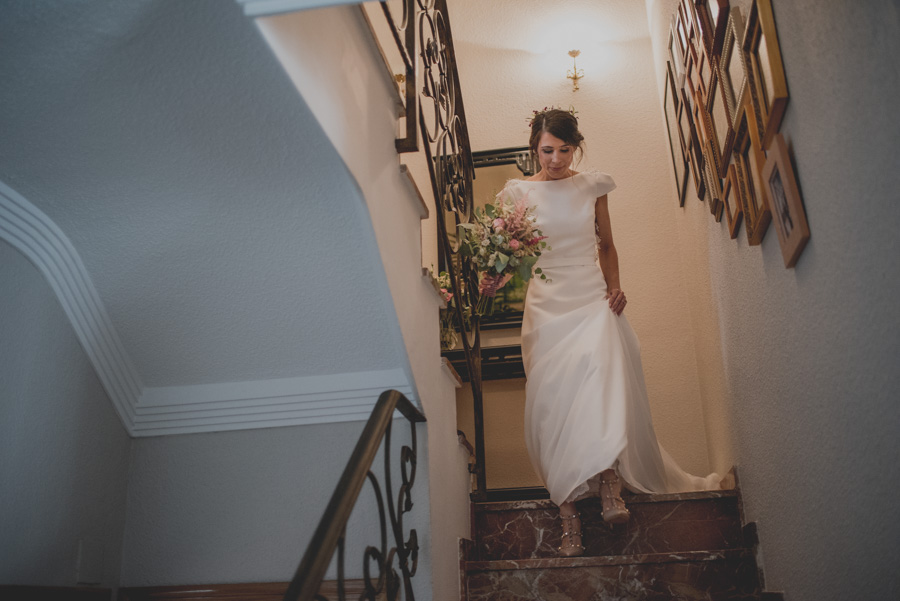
[(588, 428)]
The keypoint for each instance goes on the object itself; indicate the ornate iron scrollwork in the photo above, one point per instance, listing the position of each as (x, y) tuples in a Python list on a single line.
[(388, 571)]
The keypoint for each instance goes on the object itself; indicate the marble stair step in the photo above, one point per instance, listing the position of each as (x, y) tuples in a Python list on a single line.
[(724, 575), (674, 523)]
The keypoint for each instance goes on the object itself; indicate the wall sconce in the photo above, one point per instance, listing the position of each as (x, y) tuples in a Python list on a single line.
[(575, 74)]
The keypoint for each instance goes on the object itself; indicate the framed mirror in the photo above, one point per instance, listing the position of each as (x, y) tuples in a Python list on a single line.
[(493, 168)]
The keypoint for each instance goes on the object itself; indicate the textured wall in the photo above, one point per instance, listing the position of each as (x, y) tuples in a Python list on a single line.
[(63, 452), (505, 73), (810, 353), (241, 506), (166, 142)]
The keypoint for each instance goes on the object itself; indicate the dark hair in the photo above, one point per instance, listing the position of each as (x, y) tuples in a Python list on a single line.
[(559, 123)]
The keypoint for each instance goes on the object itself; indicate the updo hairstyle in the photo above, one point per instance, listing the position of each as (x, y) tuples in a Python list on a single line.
[(559, 123)]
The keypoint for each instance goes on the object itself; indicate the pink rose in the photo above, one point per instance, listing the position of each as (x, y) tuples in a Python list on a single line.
[(514, 244), (499, 224)]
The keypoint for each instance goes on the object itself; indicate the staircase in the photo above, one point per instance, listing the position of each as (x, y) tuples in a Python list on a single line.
[(676, 546)]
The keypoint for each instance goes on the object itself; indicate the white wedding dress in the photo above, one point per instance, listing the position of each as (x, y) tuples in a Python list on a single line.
[(586, 405)]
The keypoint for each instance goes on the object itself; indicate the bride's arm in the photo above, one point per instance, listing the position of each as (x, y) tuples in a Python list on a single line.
[(609, 258)]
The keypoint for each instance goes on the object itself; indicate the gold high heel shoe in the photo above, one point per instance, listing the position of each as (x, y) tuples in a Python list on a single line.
[(614, 510), (571, 538)]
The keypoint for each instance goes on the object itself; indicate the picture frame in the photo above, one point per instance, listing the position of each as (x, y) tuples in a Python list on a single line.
[(714, 15), (714, 189), (693, 149), (785, 202), (493, 168), (681, 36), (765, 70), (731, 202), (732, 70), (749, 159), (672, 107), (676, 51), (684, 126), (719, 129)]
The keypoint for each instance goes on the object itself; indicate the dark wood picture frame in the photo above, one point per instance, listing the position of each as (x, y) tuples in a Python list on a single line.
[(676, 51), (693, 149), (785, 202), (714, 15), (672, 108), (713, 187), (731, 201), (749, 160), (765, 70)]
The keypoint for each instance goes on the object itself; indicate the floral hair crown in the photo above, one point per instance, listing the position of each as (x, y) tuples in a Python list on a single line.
[(534, 114)]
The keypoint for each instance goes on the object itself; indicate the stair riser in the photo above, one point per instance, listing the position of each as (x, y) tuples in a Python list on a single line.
[(729, 579), (655, 527)]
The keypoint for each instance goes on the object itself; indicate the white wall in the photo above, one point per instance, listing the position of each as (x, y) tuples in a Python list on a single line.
[(810, 353), (349, 91), (63, 451), (242, 506)]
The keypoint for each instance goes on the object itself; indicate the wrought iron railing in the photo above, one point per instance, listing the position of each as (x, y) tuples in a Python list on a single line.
[(434, 101), (331, 532)]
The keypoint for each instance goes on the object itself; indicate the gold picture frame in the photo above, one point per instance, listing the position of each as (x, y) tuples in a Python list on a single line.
[(672, 108), (720, 129), (749, 159), (731, 202), (785, 201), (692, 145), (765, 70), (714, 15), (732, 71), (713, 188)]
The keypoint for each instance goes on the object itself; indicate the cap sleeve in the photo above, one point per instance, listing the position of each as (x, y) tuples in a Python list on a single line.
[(603, 183), (510, 191)]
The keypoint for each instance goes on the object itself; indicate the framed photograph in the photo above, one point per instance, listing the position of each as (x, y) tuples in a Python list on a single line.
[(714, 16), (676, 52), (765, 70), (492, 169), (749, 160), (720, 131), (684, 126), (691, 75), (713, 190), (731, 201), (732, 71), (681, 37), (672, 107), (692, 145), (785, 201)]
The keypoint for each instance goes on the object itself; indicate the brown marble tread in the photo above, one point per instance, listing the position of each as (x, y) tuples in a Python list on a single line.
[(675, 523), (719, 575)]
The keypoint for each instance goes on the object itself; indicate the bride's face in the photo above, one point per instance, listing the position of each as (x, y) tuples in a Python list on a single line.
[(555, 156)]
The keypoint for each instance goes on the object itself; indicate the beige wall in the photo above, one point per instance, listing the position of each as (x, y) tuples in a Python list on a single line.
[(619, 114), (809, 355)]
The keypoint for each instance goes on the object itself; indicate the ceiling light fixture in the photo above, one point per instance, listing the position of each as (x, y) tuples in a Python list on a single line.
[(575, 74)]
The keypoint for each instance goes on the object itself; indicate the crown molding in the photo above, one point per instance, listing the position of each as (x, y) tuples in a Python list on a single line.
[(264, 403), (154, 411), (267, 8), (30, 231)]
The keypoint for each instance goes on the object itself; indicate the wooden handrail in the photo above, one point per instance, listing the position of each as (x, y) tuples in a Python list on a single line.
[(311, 571)]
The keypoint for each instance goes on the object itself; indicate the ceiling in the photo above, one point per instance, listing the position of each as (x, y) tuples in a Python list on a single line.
[(218, 224)]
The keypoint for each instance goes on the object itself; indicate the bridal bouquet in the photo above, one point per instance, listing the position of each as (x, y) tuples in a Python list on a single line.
[(502, 241)]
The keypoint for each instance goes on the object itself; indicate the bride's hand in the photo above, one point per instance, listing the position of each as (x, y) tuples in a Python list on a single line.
[(616, 300)]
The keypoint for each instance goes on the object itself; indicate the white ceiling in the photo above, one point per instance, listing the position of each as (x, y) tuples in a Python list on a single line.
[(217, 222), (539, 26)]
